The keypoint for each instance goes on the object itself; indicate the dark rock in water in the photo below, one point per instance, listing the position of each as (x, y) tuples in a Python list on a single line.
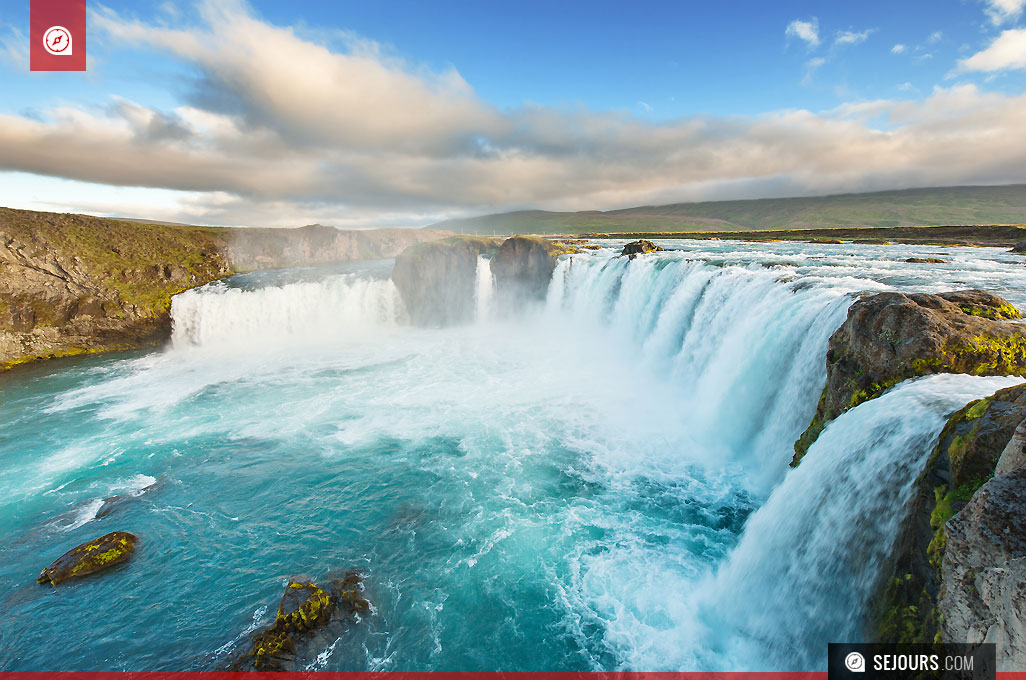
[(926, 260), (112, 504), (889, 337), (438, 279), (1019, 247), (89, 558), (635, 248), (304, 609), (118, 502), (984, 571), (523, 267), (966, 455)]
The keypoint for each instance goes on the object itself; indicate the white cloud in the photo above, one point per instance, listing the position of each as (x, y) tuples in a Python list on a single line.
[(804, 30), (361, 138), (1001, 11), (898, 49), (852, 37), (1008, 51), (935, 37)]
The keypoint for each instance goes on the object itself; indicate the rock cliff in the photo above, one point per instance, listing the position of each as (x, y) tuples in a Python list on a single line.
[(890, 337), (523, 268), (965, 458), (437, 280), (74, 284)]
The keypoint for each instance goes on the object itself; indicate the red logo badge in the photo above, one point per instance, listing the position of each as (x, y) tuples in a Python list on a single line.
[(58, 35)]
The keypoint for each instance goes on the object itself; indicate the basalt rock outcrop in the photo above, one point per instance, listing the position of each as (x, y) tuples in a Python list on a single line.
[(305, 608), (522, 268), (983, 598), (967, 454), (97, 555), (74, 284), (438, 280), (640, 247), (890, 337)]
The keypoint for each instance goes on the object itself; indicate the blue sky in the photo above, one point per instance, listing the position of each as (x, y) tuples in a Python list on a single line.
[(401, 113)]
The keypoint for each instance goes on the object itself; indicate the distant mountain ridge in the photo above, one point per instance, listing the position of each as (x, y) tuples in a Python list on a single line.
[(964, 205)]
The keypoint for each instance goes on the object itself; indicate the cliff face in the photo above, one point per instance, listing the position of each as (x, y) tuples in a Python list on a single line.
[(969, 452), (438, 280), (523, 268), (73, 284), (890, 337)]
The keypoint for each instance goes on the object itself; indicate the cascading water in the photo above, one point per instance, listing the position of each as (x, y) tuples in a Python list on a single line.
[(484, 289), (599, 483)]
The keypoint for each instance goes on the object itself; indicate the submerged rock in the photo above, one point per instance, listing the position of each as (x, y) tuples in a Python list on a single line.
[(304, 609), (890, 337), (984, 571), (968, 451), (96, 555), (926, 260), (438, 279), (523, 268), (635, 248)]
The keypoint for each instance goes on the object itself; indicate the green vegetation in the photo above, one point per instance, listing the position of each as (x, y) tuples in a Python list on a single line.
[(996, 205)]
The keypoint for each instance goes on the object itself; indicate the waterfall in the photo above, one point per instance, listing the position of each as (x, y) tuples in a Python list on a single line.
[(302, 312), (484, 289), (743, 345), (808, 560)]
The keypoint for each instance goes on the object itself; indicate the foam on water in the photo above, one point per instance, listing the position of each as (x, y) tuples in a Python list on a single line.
[(599, 483)]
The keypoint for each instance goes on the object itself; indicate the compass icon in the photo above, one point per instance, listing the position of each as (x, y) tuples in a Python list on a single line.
[(57, 41)]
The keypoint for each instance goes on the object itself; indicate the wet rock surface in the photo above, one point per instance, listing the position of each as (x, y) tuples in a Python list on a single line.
[(639, 247), (984, 571), (91, 557), (305, 609)]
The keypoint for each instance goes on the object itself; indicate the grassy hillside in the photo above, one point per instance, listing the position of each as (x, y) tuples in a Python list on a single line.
[(910, 207)]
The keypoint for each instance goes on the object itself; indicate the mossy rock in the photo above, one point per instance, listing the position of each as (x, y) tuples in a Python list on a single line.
[(639, 247), (97, 555), (304, 609), (926, 260), (891, 337)]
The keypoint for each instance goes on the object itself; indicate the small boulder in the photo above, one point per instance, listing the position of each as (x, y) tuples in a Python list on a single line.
[(304, 609), (635, 248), (1019, 247), (926, 260), (91, 557)]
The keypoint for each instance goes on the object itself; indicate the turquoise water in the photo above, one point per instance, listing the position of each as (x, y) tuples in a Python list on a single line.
[(563, 490)]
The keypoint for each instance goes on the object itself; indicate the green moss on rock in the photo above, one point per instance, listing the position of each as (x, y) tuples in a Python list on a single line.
[(91, 557)]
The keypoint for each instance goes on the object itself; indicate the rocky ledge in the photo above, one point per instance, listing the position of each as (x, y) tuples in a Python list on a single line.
[(890, 337)]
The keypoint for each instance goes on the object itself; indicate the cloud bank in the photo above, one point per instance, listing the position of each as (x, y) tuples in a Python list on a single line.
[(281, 125)]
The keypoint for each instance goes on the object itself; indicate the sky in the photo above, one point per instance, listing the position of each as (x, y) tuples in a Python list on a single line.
[(388, 113)]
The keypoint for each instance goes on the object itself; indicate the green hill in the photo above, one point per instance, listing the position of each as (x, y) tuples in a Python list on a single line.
[(909, 207)]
